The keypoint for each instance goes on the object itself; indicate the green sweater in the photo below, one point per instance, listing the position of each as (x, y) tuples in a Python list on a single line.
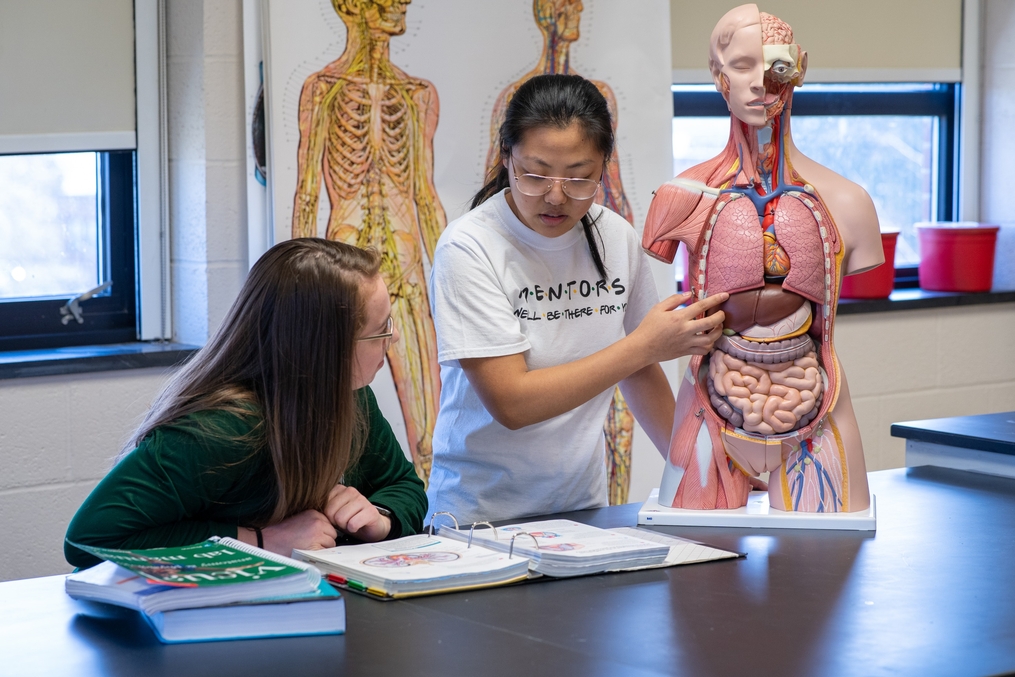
[(184, 483)]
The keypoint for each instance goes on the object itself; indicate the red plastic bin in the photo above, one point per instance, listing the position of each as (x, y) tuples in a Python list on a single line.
[(957, 256), (878, 282)]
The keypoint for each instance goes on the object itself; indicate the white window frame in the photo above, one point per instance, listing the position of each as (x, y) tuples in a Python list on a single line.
[(153, 279)]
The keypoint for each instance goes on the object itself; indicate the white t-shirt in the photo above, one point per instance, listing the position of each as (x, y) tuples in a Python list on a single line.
[(499, 288)]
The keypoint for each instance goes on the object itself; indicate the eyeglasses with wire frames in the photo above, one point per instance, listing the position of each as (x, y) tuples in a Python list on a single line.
[(389, 331), (536, 185)]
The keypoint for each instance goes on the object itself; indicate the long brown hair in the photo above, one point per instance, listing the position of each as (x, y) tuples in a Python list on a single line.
[(285, 350)]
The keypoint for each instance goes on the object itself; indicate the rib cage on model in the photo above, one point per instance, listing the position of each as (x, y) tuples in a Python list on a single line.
[(766, 397)]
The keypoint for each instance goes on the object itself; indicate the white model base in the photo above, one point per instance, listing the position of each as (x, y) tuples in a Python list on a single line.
[(756, 514)]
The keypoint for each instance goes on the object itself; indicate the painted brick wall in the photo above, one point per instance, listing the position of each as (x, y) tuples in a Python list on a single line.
[(997, 200), (58, 437), (918, 364), (207, 189)]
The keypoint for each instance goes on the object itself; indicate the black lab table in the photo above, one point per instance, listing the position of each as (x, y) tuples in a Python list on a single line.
[(984, 443), (931, 593)]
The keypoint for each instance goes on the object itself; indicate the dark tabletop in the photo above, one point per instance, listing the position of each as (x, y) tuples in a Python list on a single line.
[(931, 593), (986, 432)]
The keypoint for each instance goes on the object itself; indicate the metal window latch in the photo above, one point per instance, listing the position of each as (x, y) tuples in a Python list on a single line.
[(72, 309)]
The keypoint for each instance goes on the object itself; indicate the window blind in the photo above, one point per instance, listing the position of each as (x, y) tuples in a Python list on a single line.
[(846, 41), (66, 75)]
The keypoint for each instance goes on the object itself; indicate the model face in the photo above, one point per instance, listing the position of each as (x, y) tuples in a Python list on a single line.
[(368, 353), (744, 69), (386, 16), (549, 151)]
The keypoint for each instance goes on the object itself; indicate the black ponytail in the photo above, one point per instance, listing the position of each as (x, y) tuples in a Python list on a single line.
[(555, 101), (589, 225), (497, 181)]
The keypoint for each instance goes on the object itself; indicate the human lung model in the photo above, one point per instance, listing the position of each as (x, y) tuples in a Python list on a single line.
[(777, 231)]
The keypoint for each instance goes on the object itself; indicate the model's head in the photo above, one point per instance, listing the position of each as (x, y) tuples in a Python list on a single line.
[(383, 16), (558, 18), (301, 336), (754, 63), (554, 126)]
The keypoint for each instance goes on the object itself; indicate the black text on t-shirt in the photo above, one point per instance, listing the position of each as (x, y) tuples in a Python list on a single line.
[(569, 291), (572, 289)]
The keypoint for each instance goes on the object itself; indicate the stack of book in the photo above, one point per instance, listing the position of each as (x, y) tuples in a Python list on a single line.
[(215, 590)]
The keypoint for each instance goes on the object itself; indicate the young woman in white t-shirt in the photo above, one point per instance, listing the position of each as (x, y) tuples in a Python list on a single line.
[(543, 302)]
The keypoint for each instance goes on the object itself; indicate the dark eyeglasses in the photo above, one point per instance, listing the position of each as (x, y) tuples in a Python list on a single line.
[(389, 331)]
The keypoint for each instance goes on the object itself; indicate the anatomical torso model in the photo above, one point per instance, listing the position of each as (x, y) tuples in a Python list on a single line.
[(777, 231)]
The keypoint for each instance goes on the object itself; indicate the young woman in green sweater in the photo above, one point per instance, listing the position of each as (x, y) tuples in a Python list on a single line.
[(270, 434)]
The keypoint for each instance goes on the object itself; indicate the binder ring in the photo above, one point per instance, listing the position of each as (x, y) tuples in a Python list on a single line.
[(434, 516), (521, 533), (473, 528)]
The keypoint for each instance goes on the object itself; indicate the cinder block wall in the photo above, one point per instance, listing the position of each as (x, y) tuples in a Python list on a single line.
[(58, 437), (997, 200), (916, 364), (207, 162)]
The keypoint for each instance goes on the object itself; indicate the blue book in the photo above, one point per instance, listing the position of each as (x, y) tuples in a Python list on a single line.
[(318, 613)]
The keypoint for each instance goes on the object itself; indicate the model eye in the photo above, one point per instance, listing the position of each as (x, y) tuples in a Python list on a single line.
[(781, 68)]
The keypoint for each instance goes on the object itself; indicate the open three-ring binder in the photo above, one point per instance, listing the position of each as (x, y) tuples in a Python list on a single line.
[(450, 557)]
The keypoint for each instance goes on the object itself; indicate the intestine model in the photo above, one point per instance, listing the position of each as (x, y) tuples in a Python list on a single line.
[(777, 231)]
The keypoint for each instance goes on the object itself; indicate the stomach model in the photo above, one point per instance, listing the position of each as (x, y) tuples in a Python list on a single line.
[(761, 400)]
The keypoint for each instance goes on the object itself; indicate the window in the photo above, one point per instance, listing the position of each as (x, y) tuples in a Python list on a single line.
[(895, 140), (82, 199), (67, 224), (49, 224)]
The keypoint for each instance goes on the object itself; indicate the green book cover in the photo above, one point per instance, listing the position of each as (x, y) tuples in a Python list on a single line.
[(210, 563)]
